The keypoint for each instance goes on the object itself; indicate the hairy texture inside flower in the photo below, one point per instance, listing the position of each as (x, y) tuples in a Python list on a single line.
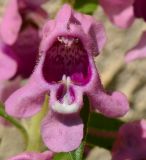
[(67, 57), (139, 9)]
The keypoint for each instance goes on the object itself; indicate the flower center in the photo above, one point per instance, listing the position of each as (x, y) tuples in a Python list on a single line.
[(139, 9), (65, 93), (68, 57), (65, 97)]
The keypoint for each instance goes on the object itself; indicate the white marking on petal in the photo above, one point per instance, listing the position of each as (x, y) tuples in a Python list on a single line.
[(64, 78), (65, 108), (68, 82)]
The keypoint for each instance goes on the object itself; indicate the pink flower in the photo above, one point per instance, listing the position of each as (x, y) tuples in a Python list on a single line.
[(66, 72), (19, 33), (34, 156), (131, 142), (123, 13)]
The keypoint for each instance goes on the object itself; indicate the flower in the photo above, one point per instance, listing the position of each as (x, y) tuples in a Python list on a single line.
[(19, 34), (131, 141), (34, 156), (66, 72), (122, 13)]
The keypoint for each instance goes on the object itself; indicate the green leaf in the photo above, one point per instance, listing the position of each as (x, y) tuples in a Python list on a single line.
[(86, 6), (74, 155), (62, 156), (104, 123), (100, 141), (78, 153), (71, 2), (85, 115)]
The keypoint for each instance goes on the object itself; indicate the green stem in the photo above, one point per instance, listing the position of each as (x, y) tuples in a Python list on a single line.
[(14, 122), (35, 141)]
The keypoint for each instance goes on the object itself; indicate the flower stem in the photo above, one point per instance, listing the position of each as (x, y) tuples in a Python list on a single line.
[(14, 122), (35, 141)]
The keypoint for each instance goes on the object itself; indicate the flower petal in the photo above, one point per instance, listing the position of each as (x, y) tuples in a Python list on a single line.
[(7, 88), (97, 32), (94, 29), (8, 66), (26, 50), (26, 101), (130, 142), (139, 51), (33, 156), (63, 16), (120, 12), (62, 133), (11, 23), (111, 105)]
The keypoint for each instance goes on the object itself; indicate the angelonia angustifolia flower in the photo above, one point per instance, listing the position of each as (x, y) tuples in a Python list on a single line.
[(123, 13), (131, 142), (47, 155), (66, 72), (19, 38)]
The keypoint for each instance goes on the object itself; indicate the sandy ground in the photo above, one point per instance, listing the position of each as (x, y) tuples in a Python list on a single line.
[(115, 75)]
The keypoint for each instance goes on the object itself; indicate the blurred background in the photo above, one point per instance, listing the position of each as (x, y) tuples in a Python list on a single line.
[(115, 75)]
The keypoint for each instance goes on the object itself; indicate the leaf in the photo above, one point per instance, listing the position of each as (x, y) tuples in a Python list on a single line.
[(2, 111), (78, 153), (74, 155), (104, 123), (100, 141), (62, 156), (85, 115), (86, 6)]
